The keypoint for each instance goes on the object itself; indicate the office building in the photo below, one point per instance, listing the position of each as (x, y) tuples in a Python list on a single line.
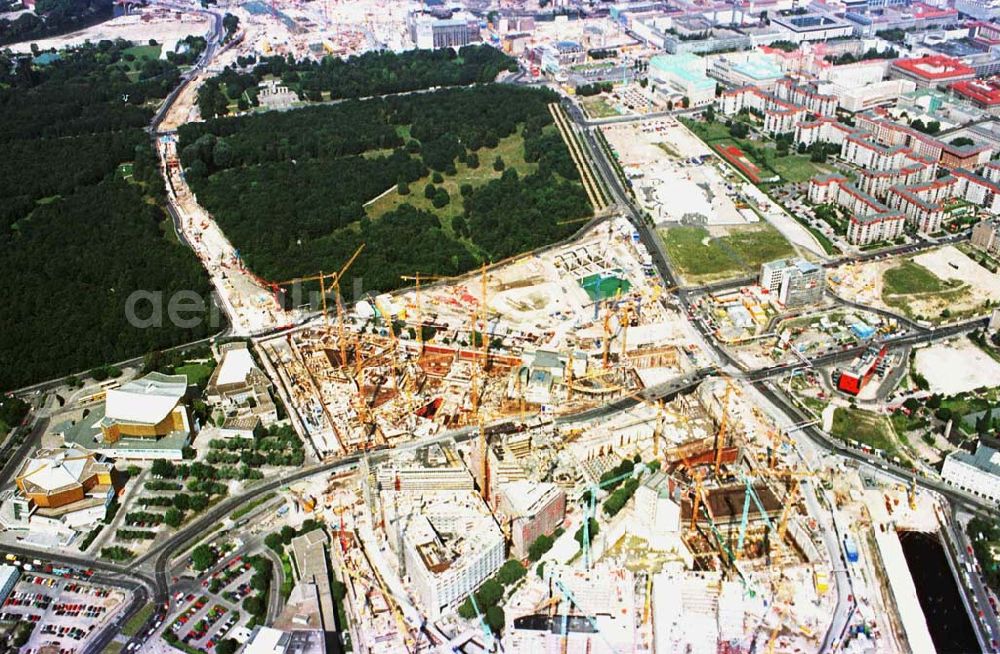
[(986, 237), (931, 70), (983, 93), (750, 68), (684, 75), (979, 9), (430, 33), (239, 387), (977, 473), (812, 26), (859, 372), (531, 510), (793, 282), (435, 466), (448, 542)]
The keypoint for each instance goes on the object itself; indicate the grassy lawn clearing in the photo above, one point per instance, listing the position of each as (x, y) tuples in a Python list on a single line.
[(697, 254), (701, 257), (758, 244), (910, 278), (791, 168), (143, 52), (510, 149), (598, 107), (197, 373), (868, 428)]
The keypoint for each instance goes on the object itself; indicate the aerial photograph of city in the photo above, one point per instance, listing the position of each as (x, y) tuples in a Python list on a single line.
[(499, 326)]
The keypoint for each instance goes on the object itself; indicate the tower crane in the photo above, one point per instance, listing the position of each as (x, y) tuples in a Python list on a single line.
[(661, 414), (793, 494), (589, 618), (490, 642), (334, 285), (590, 510), (720, 440), (751, 494), (625, 314)]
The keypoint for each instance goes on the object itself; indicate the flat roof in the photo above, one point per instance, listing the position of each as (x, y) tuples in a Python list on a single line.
[(983, 91), (235, 366), (934, 67), (759, 66), (689, 67)]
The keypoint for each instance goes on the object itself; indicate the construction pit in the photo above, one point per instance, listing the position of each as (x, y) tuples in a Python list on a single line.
[(559, 332), (759, 335), (722, 544)]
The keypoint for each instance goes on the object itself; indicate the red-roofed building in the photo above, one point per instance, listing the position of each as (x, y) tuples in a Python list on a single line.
[(931, 70), (984, 93), (986, 33)]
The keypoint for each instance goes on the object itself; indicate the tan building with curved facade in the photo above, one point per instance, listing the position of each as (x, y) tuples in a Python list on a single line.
[(55, 478)]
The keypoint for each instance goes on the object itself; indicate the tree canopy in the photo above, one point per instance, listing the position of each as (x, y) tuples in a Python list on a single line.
[(369, 74), (290, 188), (80, 233)]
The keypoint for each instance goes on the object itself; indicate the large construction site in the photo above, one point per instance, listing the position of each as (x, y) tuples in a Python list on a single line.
[(692, 523), (549, 334)]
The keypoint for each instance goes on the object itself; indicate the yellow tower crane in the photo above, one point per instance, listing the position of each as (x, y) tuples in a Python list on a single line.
[(720, 439), (334, 285), (793, 494), (699, 491)]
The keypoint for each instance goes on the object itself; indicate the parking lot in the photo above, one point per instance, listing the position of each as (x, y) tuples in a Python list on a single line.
[(210, 612), (66, 612)]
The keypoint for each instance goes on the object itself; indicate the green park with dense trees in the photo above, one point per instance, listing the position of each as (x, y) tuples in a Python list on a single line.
[(294, 190), (81, 225), (369, 74)]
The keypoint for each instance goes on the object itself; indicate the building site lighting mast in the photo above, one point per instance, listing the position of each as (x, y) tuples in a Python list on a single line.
[(416, 277)]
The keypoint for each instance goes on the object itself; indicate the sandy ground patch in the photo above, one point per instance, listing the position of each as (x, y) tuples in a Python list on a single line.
[(675, 175), (957, 367), (166, 27), (864, 283), (951, 263)]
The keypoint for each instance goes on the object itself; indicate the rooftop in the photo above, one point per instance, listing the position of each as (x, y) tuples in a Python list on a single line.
[(56, 469), (985, 458), (686, 66), (934, 67), (759, 66), (983, 91), (527, 497), (146, 400), (235, 366), (87, 434)]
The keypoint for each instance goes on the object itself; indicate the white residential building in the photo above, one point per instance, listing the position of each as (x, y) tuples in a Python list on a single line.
[(977, 473)]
